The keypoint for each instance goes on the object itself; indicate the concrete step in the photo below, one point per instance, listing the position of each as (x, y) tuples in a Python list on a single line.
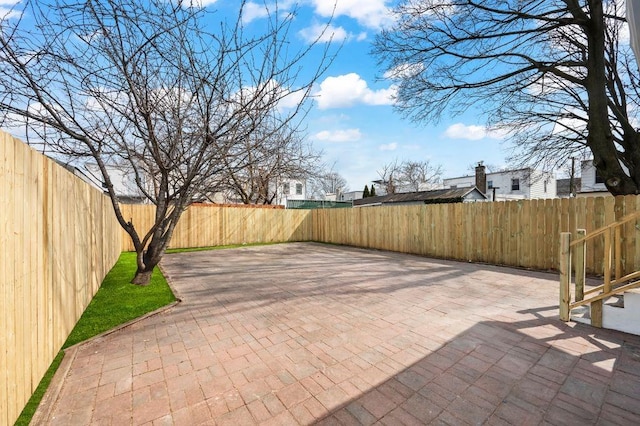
[(624, 314), (581, 314)]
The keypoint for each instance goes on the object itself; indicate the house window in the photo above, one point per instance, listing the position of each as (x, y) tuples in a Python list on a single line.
[(515, 184), (299, 188), (490, 184), (453, 187), (285, 188), (599, 179)]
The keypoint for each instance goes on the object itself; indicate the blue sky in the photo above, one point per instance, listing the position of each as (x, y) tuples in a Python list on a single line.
[(352, 119)]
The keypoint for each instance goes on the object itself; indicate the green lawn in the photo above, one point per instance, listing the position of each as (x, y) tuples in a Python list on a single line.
[(116, 302)]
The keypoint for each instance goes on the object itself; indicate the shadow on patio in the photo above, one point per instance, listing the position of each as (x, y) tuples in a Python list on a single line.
[(304, 333), (528, 372)]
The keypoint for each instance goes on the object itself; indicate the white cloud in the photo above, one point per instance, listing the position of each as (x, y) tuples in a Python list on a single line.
[(350, 89), (291, 100), (323, 33), (272, 92), (253, 10), (403, 71), (572, 121), (471, 132), (388, 147), (7, 11), (328, 33), (370, 13), (347, 135), (192, 3), (206, 3)]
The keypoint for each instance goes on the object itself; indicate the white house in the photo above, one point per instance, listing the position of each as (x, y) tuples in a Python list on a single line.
[(508, 184), (123, 180), (290, 189), (591, 183), (350, 196), (127, 190)]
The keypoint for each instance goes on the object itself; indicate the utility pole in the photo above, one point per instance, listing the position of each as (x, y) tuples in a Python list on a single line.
[(572, 189)]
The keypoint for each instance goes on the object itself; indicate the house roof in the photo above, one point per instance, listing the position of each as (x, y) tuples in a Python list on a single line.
[(450, 195), (524, 171)]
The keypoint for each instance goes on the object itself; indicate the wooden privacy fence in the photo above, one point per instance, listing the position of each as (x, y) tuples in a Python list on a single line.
[(211, 225), (58, 239), (515, 233)]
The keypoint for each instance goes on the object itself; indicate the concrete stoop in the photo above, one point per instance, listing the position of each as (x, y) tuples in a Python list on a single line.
[(625, 318), (620, 313)]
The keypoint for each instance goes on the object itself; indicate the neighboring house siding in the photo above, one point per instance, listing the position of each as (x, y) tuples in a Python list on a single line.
[(588, 178), (351, 195), (504, 184), (543, 185), (123, 180), (474, 196), (459, 182), (291, 189), (530, 184)]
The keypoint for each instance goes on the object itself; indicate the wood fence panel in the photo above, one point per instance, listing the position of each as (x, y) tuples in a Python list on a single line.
[(597, 245), (523, 233), (483, 232), (211, 225), (58, 239), (632, 234)]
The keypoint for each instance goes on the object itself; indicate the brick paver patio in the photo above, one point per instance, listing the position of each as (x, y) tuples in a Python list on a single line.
[(304, 333)]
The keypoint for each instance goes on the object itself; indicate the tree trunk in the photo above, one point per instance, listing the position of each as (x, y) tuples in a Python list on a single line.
[(146, 262), (142, 277), (600, 137), (148, 259)]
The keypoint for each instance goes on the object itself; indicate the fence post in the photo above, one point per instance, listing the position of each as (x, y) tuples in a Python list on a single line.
[(596, 313), (617, 253), (580, 253), (607, 261), (565, 275)]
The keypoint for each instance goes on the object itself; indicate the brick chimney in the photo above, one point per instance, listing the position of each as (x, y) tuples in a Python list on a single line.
[(481, 178)]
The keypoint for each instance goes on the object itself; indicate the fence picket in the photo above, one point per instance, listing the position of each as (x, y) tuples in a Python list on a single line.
[(56, 252)]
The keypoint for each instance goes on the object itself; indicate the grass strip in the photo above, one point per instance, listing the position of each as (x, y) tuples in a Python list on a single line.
[(116, 302)]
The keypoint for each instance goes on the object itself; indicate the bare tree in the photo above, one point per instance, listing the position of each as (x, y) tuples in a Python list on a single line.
[(325, 182), (552, 74), (387, 182), (418, 175), (272, 157), (147, 85), (489, 168), (409, 176)]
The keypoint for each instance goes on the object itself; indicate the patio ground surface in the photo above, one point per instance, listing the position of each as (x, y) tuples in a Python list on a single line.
[(303, 333)]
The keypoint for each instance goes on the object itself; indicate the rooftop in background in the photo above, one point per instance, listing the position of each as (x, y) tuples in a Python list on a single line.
[(563, 187), (437, 196)]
